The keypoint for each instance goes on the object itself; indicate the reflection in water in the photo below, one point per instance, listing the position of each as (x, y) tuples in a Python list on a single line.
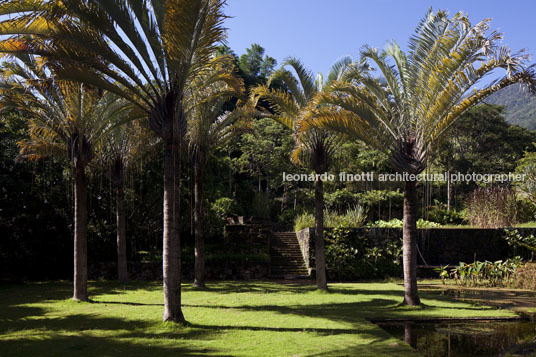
[(475, 338)]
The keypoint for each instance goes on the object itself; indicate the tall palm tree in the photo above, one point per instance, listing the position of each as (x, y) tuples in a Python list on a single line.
[(209, 127), (147, 52), (410, 109), (117, 151), (315, 147), (64, 118)]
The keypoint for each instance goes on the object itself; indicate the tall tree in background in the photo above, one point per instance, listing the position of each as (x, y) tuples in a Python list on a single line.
[(314, 147), (145, 52), (255, 65), (117, 151), (209, 126), (422, 93), (64, 118)]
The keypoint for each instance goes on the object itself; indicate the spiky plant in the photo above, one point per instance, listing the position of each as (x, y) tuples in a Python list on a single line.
[(209, 127), (65, 119), (315, 147)]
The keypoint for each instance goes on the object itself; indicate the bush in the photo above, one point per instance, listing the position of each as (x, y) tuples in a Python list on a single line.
[(441, 215), (524, 276), (492, 207), (304, 220), (486, 273), (352, 218), (217, 214), (354, 256), (398, 223)]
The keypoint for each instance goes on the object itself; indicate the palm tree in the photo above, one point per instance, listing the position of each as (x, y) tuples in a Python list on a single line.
[(147, 52), (420, 95), (316, 146), (210, 126), (117, 150), (64, 118)]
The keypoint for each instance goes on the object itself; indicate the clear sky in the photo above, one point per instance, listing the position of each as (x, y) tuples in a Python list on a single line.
[(321, 31)]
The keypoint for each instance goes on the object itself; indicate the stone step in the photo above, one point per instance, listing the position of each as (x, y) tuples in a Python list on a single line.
[(287, 257), (282, 273), (287, 247), (286, 262), (287, 269)]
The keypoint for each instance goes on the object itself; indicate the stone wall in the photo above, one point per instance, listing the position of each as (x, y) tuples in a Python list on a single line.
[(437, 246), (228, 270), (242, 253), (306, 240)]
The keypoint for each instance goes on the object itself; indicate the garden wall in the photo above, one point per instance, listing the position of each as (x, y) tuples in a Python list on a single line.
[(242, 253), (437, 246)]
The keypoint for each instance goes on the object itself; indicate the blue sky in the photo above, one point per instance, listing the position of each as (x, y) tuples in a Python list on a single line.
[(319, 32)]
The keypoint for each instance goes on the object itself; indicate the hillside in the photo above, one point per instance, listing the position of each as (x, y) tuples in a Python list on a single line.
[(520, 106)]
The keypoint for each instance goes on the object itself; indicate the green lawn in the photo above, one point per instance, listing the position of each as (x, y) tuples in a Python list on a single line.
[(230, 319)]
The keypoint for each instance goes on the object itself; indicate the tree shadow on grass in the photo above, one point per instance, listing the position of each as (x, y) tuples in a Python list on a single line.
[(89, 335), (58, 344), (264, 287)]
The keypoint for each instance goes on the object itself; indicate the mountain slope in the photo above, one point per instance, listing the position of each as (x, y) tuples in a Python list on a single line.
[(520, 106)]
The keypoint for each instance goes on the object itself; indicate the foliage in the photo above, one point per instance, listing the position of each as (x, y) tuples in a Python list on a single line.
[(486, 273), (524, 276), (398, 223), (441, 215), (527, 166), (354, 256), (255, 65), (353, 218), (492, 207), (517, 240), (217, 214)]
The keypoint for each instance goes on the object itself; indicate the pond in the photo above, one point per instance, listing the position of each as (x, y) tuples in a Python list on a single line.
[(464, 338)]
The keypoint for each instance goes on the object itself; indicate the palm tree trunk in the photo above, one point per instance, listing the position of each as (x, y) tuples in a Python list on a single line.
[(122, 271), (171, 239), (448, 191), (409, 233), (320, 259), (80, 232), (199, 272)]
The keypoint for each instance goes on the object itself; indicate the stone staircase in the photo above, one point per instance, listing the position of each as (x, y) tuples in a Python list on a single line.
[(286, 257)]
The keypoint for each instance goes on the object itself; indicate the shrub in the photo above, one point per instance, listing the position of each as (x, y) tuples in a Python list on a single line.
[(524, 276), (353, 256), (441, 215), (398, 223), (217, 214), (352, 218), (524, 245), (304, 220), (486, 273), (492, 207)]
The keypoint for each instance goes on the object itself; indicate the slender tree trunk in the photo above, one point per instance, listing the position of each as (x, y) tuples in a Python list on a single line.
[(409, 233), (199, 273), (320, 259), (171, 239), (80, 232), (122, 271), (448, 190)]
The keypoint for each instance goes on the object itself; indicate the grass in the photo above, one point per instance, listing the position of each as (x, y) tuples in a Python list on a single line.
[(531, 224), (229, 319)]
